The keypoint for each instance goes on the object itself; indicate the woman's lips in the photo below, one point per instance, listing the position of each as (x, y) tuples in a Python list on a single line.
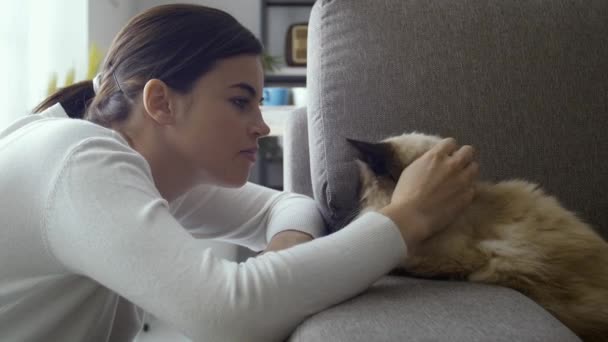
[(250, 154)]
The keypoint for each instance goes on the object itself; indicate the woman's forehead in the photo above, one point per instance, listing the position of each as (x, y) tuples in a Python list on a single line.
[(241, 72)]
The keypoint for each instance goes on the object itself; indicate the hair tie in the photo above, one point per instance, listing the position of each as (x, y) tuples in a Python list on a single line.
[(96, 83)]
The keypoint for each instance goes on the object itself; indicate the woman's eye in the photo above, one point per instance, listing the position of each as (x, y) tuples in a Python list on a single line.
[(240, 103)]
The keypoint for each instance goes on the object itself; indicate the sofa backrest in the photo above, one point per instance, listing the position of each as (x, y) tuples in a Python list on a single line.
[(296, 157), (526, 82)]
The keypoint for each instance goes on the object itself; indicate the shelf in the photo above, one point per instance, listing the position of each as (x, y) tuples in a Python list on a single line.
[(275, 117), (287, 80), (272, 109), (288, 71), (287, 75), (293, 3)]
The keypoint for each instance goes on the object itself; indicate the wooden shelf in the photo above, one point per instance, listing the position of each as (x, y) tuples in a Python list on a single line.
[(286, 80), (278, 108), (287, 75), (289, 71), (292, 3), (275, 117)]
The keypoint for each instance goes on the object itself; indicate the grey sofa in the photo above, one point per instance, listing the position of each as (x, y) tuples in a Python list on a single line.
[(524, 81)]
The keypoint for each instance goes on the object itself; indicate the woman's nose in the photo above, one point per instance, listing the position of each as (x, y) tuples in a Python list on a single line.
[(260, 128), (264, 129)]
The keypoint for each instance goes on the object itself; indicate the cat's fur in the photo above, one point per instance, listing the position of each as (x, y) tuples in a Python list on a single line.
[(513, 235)]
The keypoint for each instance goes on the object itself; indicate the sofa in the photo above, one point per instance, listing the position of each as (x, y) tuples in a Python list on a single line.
[(525, 82)]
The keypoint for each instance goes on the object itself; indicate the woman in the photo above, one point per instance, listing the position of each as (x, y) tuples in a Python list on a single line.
[(100, 215)]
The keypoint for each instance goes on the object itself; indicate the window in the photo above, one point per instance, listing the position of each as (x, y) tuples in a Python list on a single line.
[(37, 39)]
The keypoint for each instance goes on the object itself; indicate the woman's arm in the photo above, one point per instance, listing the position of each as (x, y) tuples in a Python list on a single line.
[(252, 215), (286, 239), (106, 221)]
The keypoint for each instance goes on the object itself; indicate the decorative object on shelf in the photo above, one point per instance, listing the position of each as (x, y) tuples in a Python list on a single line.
[(276, 96), (295, 44), (269, 62)]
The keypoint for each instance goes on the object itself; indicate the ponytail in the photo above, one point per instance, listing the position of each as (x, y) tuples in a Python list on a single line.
[(74, 99)]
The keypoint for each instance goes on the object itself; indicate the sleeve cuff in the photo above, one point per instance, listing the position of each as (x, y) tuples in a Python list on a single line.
[(295, 212)]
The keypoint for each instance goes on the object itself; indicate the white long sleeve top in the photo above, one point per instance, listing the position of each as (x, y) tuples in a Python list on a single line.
[(86, 240)]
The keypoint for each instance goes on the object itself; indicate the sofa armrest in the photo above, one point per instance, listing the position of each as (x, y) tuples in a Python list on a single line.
[(410, 309), (296, 160)]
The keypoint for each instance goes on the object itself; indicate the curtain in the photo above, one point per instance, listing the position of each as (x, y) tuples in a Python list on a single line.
[(39, 39)]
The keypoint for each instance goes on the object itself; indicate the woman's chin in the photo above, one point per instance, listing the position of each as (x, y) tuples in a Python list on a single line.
[(234, 182), (225, 179)]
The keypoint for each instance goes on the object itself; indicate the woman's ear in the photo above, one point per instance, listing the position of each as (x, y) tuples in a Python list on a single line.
[(156, 98)]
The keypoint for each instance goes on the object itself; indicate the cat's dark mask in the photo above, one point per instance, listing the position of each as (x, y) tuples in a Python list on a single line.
[(381, 158)]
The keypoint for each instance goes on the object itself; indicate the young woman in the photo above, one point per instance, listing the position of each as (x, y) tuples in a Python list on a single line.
[(100, 214)]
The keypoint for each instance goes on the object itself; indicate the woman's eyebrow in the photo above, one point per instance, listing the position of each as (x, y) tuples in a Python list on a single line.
[(245, 86)]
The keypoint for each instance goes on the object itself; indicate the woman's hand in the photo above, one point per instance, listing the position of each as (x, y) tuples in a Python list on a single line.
[(286, 239), (433, 191)]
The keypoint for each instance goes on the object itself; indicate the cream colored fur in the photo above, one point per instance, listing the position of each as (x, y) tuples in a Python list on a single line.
[(512, 235)]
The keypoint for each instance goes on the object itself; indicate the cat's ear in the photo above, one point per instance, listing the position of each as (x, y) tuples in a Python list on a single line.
[(366, 175), (377, 156)]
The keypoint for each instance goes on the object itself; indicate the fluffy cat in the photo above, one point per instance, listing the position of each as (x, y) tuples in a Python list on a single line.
[(512, 235)]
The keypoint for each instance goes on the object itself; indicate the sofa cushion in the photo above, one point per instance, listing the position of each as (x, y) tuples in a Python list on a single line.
[(296, 159), (408, 309), (523, 81)]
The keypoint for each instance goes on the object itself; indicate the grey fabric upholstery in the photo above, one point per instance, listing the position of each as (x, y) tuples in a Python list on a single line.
[(405, 309), (523, 81), (296, 159)]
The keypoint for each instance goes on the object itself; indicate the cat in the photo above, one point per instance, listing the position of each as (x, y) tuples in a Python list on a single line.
[(513, 234)]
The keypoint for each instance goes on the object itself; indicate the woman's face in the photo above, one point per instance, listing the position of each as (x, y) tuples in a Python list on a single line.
[(219, 122)]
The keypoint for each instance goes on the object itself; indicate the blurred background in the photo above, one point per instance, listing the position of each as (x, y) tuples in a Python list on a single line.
[(50, 43)]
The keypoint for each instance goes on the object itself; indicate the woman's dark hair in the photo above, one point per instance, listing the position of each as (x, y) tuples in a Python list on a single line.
[(176, 44)]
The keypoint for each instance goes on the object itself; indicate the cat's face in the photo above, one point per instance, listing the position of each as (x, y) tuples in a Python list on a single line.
[(381, 163)]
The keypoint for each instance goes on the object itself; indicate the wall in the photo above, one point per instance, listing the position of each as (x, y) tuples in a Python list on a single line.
[(107, 17), (247, 12)]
